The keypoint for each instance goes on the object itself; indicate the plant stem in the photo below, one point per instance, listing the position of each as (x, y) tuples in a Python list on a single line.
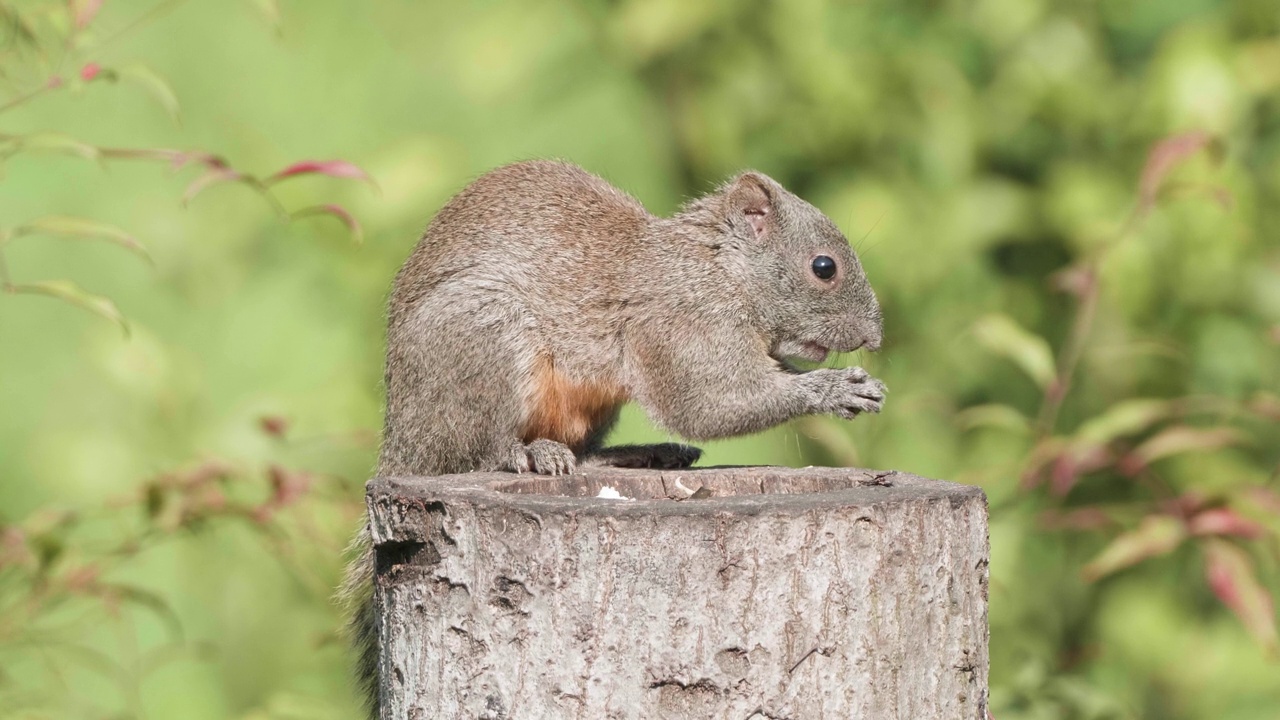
[(141, 21), (6, 283), (1056, 393), (1081, 325), (23, 99)]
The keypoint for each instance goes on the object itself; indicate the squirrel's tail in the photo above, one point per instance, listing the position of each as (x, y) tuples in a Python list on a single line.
[(356, 598)]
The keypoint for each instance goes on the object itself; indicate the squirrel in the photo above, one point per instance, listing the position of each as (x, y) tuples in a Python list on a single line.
[(541, 298)]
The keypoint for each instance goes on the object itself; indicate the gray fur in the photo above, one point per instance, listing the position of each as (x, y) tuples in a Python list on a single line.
[(692, 316)]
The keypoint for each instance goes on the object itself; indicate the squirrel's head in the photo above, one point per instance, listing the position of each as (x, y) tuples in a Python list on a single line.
[(804, 280)]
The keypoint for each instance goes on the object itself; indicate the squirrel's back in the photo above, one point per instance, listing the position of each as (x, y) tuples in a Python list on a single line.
[(540, 217)]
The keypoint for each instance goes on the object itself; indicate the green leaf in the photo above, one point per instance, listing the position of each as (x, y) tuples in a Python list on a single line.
[(70, 292), (155, 85), (71, 227), (19, 25), (1232, 578), (270, 11), (1155, 535), (1183, 439), (1001, 335), (994, 416), (52, 142), (220, 175), (1167, 155), (1127, 417), (335, 211), (150, 601)]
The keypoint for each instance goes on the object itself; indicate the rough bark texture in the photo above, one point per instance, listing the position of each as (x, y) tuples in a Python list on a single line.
[(814, 593)]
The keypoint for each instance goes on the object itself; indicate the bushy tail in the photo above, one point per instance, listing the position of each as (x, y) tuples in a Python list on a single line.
[(356, 598)]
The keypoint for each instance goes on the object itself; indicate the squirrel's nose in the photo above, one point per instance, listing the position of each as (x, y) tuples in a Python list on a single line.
[(871, 335)]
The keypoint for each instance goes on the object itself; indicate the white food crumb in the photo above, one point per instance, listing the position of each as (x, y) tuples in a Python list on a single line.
[(609, 493)]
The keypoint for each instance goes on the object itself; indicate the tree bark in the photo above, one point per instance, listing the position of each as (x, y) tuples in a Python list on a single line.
[(812, 593)]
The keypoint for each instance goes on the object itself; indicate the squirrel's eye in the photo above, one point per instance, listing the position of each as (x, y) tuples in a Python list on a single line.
[(824, 267)]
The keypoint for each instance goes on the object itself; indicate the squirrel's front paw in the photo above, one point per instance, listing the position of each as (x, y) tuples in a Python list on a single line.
[(849, 392)]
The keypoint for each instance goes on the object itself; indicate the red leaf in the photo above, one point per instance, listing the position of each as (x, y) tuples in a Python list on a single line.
[(84, 11), (332, 168), (90, 71), (1163, 158), (1226, 522), (1076, 461), (1041, 456), (1231, 576), (13, 547), (1155, 535), (337, 211), (287, 487), (274, 425)]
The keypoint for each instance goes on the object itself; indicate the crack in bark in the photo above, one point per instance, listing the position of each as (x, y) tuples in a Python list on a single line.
[(823, 650)]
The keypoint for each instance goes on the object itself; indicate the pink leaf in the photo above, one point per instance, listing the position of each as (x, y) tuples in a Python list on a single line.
[(90, 71), (1267, 500), (1231, 576), (332, 168), (1156, 535), (1163, 158), (1076, 461), (337, 211), (1226, 522), (84, 11)]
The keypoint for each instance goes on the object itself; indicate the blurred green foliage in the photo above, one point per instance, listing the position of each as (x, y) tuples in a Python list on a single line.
[(1084, 326)]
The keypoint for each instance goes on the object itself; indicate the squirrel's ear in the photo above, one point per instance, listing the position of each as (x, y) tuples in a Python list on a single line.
[(750, 202)]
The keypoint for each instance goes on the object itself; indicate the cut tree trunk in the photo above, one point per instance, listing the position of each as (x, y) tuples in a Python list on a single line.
[(813, 593)]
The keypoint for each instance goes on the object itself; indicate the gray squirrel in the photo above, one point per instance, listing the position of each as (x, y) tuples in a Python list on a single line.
[(541, 298)]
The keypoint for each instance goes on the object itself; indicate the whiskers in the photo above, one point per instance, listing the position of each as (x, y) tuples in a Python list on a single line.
[(859, 247)]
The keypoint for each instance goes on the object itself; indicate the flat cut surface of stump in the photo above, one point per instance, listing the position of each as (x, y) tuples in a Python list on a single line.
[(787, 593)]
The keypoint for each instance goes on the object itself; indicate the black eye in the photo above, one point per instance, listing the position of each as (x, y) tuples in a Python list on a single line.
[(824, 267)]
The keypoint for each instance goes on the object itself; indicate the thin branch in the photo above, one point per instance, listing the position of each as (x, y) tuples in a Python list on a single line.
[(155, 13), (52, 83)]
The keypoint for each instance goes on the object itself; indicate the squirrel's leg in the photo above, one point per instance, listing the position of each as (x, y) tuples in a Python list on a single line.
[(710, 381)]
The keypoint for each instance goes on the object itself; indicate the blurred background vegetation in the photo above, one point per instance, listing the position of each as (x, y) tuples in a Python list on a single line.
[(1070, 211)]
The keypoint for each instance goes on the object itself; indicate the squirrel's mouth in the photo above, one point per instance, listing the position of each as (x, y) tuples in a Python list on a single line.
[(813, 351), (810, 351)]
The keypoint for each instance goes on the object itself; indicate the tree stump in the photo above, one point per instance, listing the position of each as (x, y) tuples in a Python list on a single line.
[(813, 593)]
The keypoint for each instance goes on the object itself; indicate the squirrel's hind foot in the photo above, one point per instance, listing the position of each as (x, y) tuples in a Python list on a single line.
[(664, 456)]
